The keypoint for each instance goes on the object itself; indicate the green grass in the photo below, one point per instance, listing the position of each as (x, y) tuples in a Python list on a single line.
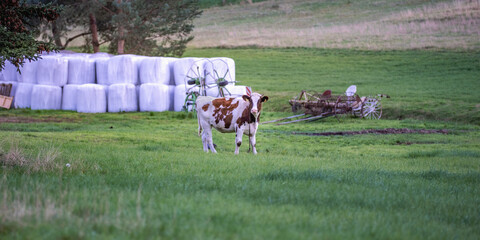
[(144, 175), (432, 85), (141, 176)]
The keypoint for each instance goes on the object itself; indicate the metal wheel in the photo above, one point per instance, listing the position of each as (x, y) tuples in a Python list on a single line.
[(196, 77), (217, 75), (372, 109)]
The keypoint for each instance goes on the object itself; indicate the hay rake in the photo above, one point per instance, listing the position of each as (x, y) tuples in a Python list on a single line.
[(317, 106)]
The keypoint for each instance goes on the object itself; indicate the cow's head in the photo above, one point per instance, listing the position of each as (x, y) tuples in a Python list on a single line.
[(256, 101)]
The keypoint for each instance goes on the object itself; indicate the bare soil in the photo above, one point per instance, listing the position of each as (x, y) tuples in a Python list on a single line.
[(5, 119), (376, 131)]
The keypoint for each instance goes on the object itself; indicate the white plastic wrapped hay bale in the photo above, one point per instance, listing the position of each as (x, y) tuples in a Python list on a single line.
[(171, 61), (23, 95), (81, 70), (52, 70), (137, 61), (101, 70), (213, 92), (91, 98), (121, 69), (216, 68), (46, 97), (122, 97), (236, 91), (171, 93), (188, 68), (28, 72), (69, 97), (180, 95), (155, 70), (9, 73), (154, 97)]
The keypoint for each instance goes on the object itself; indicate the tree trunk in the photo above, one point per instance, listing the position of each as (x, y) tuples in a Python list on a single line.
[(56, 35), (93, 29), (121, 33), (250, 1)]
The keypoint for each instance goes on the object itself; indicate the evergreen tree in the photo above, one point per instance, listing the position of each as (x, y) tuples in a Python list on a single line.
[(147, 27), (18, 25)]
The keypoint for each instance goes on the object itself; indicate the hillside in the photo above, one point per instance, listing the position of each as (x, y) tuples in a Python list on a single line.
[(361, 24)]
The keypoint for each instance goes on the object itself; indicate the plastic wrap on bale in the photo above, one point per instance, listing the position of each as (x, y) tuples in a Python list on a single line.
[(46, 97), (171, 62), (236, 91), (9, 72), (155, 70), (121, 69), (122, 97), (171, 93), (187, 68), (91, 98), (69, 97), (23, 95), (81, 70), (154, 97), (101, 70), (28, 72), (52, 70), (219, 68), (137, 61)]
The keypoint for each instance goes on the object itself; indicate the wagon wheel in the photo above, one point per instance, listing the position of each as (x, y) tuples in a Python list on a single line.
[(371, 109)]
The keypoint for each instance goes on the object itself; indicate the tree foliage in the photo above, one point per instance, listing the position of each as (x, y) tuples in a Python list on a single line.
[(18, 24), (147, 27)]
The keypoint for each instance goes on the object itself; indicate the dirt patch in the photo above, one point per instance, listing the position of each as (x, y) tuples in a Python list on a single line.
[(376, 131), (33, 120)]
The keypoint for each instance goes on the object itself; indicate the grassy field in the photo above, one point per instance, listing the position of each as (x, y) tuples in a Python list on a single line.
[(360, 24), (144, 175)]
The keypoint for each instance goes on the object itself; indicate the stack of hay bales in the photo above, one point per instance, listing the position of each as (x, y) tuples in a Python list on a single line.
[(51, 75), (96, 83), (155, 78)]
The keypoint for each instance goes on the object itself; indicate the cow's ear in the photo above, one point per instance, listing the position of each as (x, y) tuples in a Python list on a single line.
[(264, 98), (246, 98)]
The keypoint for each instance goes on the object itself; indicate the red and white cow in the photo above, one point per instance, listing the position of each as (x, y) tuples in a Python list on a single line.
[(240, 115)]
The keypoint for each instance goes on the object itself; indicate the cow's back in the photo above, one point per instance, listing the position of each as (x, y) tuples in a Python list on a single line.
[(221, 113)]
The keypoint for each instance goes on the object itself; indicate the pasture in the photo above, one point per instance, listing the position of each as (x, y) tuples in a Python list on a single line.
[(144, 175)]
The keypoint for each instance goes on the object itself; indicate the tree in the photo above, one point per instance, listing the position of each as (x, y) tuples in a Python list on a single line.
[(147, 27), (17, 29)]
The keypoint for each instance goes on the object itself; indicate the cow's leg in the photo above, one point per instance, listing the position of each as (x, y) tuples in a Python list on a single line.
[(238, 140), (253, 143), (207, 130), (210, 141), (205, 141), (207, 137)]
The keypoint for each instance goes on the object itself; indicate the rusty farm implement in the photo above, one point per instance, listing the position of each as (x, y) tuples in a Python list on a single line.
[(317, 106)]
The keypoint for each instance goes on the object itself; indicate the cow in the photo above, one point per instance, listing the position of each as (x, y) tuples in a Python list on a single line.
[(240, 115)]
